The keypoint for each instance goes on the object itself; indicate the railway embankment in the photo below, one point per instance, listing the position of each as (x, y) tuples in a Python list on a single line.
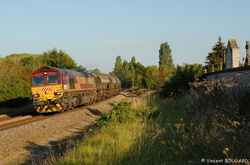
[(203, 126), (34, 140)]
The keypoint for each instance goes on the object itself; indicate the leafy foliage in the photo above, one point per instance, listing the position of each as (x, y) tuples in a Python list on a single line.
[(165, 58), (59, 59), (80, 68), (216, 57), (14, 75), (178, 80), (121, 113), (118, 65), (15, 70), (151, 76), (130, 73), (135, 74)]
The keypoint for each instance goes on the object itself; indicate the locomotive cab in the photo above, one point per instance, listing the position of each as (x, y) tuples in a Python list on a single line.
[(54, 89), (46, 81), (46, 88)]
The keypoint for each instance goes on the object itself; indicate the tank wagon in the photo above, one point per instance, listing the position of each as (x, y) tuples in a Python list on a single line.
[(56, 90)]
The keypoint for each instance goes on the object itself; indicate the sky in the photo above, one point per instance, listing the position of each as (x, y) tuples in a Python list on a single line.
[(95, 32)]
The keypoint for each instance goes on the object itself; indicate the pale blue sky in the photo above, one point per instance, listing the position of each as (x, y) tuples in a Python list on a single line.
[(95, 32)]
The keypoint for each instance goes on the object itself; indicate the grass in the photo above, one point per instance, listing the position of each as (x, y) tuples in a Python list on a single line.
[(103, 148), (137, 138), (156, 130)]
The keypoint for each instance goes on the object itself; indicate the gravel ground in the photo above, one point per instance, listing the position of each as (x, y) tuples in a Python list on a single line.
[(33, 141)]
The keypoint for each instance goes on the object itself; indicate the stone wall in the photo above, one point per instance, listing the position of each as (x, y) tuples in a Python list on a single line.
[(240, 76)]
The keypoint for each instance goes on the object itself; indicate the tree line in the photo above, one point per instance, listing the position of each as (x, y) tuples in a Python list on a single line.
[(15, 71), (167, 77), (135, 74)]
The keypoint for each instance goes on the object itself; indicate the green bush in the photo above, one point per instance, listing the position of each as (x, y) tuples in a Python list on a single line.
[(177, 82), (121, 113)]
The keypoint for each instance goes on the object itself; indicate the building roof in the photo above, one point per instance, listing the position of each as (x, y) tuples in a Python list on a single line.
[(232, 43)]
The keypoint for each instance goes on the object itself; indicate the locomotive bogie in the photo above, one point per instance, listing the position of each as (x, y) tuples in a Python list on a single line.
[(49, 108)]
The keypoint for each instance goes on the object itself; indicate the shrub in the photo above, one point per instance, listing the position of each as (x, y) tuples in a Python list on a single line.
[(178, 81), (121, 113)]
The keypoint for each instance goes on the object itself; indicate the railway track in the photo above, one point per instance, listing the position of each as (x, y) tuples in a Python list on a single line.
[(7, 122), (17, 121)]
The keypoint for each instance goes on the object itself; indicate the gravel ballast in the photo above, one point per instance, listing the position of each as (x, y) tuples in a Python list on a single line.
[(19, 143)]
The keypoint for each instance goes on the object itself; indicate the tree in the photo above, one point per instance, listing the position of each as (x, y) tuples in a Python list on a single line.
[(95, 70), (124, 75), (178, 81), (80, 68), (150, 78), (133, 59), (58, 59), (165, 58), (118, 66), (139, 74), (14, 85), (166, 65), (215, 59), (31, 63)]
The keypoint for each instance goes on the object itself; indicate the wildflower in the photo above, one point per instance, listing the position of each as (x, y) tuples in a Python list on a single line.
[(225, 151), (235, 123)]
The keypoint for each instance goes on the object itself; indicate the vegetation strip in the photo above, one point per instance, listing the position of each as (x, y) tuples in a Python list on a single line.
[(164, 131)]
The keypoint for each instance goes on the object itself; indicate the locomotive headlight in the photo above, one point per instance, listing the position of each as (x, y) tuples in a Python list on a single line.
[(36, 95), (57, 93)]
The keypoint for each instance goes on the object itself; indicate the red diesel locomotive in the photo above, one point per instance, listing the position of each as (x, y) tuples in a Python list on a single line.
[(56, 90)]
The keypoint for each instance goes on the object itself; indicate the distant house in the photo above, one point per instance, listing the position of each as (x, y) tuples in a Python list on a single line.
[(232, 54)]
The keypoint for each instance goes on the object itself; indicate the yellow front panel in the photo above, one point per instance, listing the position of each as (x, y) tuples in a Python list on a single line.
[(47, 92)]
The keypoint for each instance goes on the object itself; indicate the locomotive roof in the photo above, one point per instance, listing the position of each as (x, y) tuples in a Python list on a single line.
[(61, 71)]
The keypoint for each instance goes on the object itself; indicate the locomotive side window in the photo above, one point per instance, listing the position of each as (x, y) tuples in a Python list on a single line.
[(38, 80), (53, 79), (71, 83)]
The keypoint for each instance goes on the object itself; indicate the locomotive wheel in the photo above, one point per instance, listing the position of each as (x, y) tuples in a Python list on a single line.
[(91, 101), (67, 107), (70, 106), (64, 107)]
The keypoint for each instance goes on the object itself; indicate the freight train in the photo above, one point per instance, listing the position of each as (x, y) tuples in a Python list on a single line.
[(57, 90)]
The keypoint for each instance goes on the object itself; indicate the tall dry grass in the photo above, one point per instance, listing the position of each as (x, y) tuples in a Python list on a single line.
[(210, 122)]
